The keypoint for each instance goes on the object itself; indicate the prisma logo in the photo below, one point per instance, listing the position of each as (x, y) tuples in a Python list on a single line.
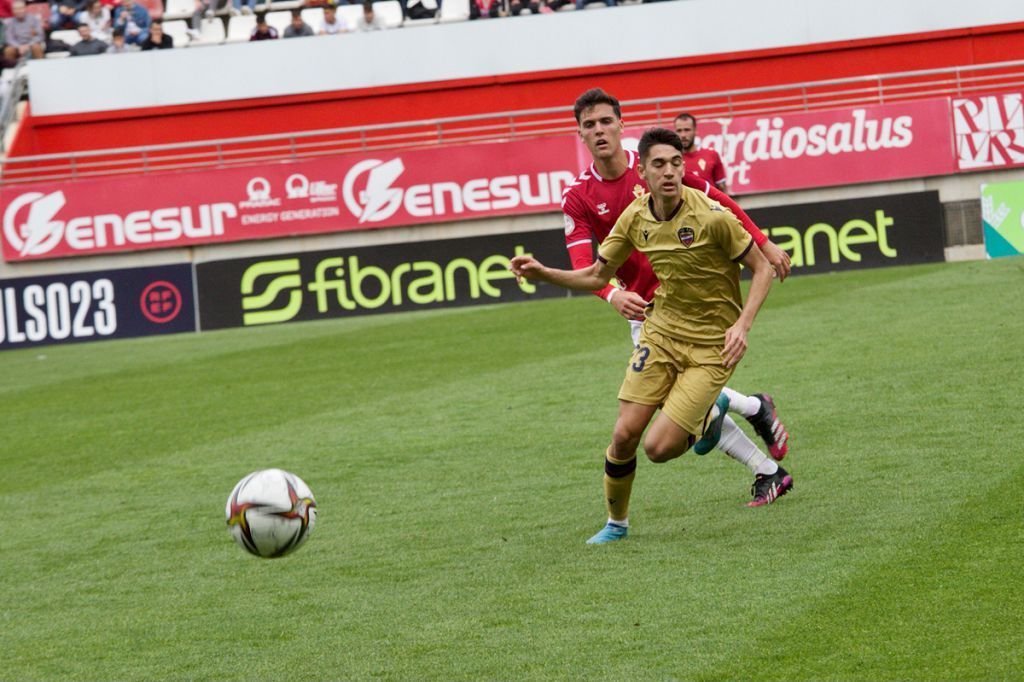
[(341, 284), (379, 200)]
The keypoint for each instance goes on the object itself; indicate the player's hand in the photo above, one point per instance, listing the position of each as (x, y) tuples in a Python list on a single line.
[(525, 266), (778, 258), (629, 304), (735, 345)]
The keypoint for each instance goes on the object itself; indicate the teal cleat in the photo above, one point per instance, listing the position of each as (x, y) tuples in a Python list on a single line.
[(610, 533), (713, 433)]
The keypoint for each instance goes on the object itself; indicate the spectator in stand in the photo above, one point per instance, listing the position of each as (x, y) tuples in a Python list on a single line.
[(705, 163), (298, 28), (549, 6), (97, 18), (88, 44), (157, 40), (332, 23), (369, 20), (23, 34), (133, 20), (204, 8), (118, 44), (263, 30), (515, 7), (486, 9), (63, 14), (581, 3), (248, 8)]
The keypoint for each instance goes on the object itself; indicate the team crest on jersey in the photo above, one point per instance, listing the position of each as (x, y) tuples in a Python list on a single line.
[(638, 191), (702, 163), (570, 224), (602, 209), (685, 235)]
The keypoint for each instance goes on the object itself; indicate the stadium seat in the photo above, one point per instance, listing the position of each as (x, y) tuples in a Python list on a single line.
[(178, 31), (389, 11), (314, 16), (179, 9), (284, 5), (240, 28), (67, 37), (350, 13), (454, 10), (279, 20), (211, 31)]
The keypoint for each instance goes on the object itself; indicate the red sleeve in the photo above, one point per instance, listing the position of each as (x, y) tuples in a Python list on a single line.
[(579, 239), (717, 169), (749, 225)]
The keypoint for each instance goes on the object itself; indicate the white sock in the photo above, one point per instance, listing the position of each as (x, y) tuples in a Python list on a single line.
[(738, 445), (615, 522), (746, 405)]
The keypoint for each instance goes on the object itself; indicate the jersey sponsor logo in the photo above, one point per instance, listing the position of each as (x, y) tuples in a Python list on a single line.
[(602, 209), (685, 235), (32, 225), (570, 224), (370, 193)]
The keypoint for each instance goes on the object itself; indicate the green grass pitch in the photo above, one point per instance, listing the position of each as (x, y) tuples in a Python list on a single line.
[(456, 459)]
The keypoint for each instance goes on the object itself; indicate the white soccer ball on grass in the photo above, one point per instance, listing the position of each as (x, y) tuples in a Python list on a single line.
[(271, 513)]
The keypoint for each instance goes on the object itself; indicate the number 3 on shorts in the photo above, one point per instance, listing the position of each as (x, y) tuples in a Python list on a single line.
[(641, 357)]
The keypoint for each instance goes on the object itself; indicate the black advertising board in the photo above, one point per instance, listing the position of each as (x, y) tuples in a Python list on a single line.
[(90, 306), (898, 229), (373, 279)]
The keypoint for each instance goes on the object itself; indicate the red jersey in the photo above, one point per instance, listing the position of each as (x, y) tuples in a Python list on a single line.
[(706, 164), (591, 205)]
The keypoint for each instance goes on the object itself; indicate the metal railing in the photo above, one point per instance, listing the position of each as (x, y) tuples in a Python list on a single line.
[(841, 92)]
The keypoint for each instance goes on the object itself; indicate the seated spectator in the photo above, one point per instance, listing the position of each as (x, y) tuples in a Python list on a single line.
[(157, 40), (88, 44), (298, 28), (485, 9), (517, 6), (416, 9), (248, 8), (553, 5), (64, 13), (97, 17), (581, 3), (133, 20), (118, 44), (204, 8), (23, 34), (332, 23), (263, 30), (369, 20)]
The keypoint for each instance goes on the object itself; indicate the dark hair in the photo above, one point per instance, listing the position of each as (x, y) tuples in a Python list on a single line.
[(689, 116), (592, 98), (367, 5), (297, 13), (118, 32), (653, 136), (261, 18), (157, 22)]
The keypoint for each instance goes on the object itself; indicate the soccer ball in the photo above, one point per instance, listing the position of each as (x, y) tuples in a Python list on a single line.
[(271, 513)]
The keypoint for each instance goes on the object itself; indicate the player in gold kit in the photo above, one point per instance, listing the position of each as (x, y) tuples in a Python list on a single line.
[(695, 329)]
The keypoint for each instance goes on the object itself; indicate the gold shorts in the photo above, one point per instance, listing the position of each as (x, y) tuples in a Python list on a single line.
[(685, 379)]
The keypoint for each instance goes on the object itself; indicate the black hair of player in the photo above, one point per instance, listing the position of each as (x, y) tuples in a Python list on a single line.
[(653, 136), (690, 117), (593, 97)]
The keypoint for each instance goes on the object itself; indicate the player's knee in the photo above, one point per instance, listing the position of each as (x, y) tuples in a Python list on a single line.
[(660, 451), (625, 439)]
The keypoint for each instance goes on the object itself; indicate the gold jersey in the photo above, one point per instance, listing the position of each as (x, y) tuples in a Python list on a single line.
[(694, 255)]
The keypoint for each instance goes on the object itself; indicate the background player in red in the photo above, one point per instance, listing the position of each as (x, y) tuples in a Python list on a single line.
[(704, 163), (592, 204)]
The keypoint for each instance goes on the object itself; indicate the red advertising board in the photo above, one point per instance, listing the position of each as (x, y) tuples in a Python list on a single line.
[(833, 147), (989, 131), (355, 192)]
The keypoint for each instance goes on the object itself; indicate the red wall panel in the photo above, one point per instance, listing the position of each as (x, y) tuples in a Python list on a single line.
[(56, 134)]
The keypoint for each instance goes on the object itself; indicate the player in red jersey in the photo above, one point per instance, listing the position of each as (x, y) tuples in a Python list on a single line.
[(593, 203), (705, 163)]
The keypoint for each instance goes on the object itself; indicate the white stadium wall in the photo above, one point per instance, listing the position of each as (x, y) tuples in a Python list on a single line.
[(443, 52)]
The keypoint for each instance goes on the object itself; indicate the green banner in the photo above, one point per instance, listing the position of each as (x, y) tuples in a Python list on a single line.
[(1002, 215)]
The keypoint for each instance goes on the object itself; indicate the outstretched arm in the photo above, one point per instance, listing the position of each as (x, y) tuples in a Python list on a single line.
[(587, 279)]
